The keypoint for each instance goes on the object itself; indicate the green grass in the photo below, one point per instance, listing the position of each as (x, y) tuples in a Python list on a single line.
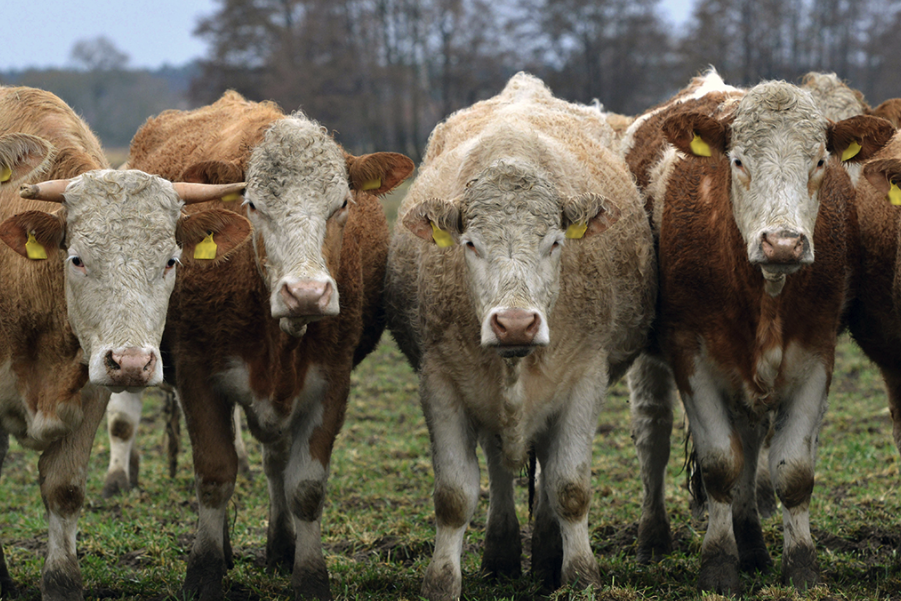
[(378, 524)]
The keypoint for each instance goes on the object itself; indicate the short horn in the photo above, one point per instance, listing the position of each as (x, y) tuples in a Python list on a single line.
[(50, 191), (191, 193)]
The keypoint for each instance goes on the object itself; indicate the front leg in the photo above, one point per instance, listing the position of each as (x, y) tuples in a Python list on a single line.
[(792, 462), (719, 449), (63, 473), (7, 587), (564, 453), (456, 484), (503, 547), (209, 421)]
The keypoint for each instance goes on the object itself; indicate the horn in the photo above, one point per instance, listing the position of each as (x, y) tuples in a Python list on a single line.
[(50, 191), (191, 193)]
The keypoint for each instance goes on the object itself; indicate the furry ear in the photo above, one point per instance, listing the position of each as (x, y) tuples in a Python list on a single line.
[(34, 234), (435, 220), (377, 173), (213, 172), (588, 214), (696, 134), (885, 176), (21, 155), (211, 235), (890, 110), (858, 138)]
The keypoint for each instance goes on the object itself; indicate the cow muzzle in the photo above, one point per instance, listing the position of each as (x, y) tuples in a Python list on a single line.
[(307, 299), (514, 332), (783, 251), (130, 368)]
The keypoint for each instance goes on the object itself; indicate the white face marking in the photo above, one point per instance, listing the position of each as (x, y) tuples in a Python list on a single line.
[(120, 235), (297, 185)]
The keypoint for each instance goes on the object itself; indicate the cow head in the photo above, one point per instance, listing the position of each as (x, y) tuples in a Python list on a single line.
[(778, 144), (120, 235), (299, 187), (512, 225)]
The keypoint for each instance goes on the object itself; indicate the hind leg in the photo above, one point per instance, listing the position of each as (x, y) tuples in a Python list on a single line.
[(123, 417), (503, 547), (7, 587)]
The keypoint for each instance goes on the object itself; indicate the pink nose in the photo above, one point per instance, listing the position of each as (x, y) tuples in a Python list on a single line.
[(515, 327), (130, 366), (783, 247), (306, 297)]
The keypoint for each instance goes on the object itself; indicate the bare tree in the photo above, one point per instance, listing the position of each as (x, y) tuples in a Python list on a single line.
[(97, 54)]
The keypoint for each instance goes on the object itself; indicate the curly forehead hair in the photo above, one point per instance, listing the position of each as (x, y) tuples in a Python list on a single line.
[(510, 183), (776, 104)]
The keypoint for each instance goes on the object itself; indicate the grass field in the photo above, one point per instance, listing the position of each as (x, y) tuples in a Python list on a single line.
[(379, 521)]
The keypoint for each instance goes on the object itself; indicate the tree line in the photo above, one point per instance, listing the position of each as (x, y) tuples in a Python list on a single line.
[(382, 73)]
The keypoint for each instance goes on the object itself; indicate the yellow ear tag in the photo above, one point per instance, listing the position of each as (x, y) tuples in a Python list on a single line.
[(373, 184), (576, 231), (894, 194), (441, 238), (206, 249), (699, 147), (231, 197), (851, 151), (6, 174), (34, 249)]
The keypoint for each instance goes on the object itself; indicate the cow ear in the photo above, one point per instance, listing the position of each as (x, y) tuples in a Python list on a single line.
[(377, 173), (211, 235), (435, 220), (696, 134), (587, 215), (213, 172), (857, 139), (885, 176), (34, 234), (890, 110), (21, 155)]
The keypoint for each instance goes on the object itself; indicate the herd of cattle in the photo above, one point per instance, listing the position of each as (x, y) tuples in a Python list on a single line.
[(715, 245)]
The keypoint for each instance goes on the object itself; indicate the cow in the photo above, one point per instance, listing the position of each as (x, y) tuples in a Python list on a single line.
[(744, 186), (86, 269), (280, 334), (521, 284)]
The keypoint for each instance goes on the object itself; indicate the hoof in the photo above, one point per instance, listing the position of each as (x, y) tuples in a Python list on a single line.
[(311, 582), (581, 573), (62, 585), (800, 568), (752, 552), (441, 583), (655, 541), (503, 552), (719, 574), (116, 483), (203, 580)]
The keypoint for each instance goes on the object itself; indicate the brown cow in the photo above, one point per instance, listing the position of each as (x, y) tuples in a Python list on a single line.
[(280, 334), (745, 186), (84, 304)]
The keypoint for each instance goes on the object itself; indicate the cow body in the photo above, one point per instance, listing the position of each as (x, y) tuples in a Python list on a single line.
[(82, 311), (747, 316), (270, 337), (515, 331)]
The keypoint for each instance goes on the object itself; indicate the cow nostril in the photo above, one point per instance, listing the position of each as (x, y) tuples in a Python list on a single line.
[(497, 325), (110, 362)]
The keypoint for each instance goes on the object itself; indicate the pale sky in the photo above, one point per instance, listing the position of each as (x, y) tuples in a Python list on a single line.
[(41, 33)]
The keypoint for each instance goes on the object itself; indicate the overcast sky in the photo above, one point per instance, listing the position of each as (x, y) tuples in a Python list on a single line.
[(40, 33)]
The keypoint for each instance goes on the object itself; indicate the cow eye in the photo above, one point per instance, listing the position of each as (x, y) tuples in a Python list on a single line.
[(821, 162), (737, 163), (170, 263), (76, 261)]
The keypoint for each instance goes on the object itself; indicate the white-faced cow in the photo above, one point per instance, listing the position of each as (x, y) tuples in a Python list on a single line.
[(280, 334), (84, 284), (756, 255), (521, 283)]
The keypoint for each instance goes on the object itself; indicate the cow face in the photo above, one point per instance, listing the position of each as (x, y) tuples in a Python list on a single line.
[(777, 144), (118, 234), (299, 189), (512, 225)]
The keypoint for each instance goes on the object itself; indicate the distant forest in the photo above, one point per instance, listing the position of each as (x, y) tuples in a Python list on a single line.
[(382, 73)]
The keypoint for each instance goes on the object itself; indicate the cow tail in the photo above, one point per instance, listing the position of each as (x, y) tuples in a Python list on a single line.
[(694, 481)]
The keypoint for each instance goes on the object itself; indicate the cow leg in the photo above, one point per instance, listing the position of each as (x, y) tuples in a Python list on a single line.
[(209, 421), (547, 542), (7, 587), (719, 450), (503, 547), (240, 448), (122, 419), (766, 494), (893, 387), (652, 394), (173, 429), (565, 457), (792, 461), (456, 491), (752, 550), (280, 534), (63, 476)]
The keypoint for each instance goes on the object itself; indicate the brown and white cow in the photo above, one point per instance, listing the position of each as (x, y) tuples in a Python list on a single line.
[(84, 285), (280, 334), (518, 310), (757, 250)]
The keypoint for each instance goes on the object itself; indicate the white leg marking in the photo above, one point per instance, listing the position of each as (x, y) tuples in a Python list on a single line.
[(123, 415)]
